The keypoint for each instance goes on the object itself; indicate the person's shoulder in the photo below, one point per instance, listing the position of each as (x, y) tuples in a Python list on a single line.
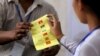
[(86, 50), (91, 45), (46, 5), (96, 34), (94, 38), (2, 2), (98, 31)]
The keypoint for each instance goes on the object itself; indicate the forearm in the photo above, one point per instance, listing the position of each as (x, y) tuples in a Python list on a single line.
[(4, 37)]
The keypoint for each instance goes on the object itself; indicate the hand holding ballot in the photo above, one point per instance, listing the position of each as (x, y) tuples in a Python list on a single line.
[(16, 33), (20, 30), (55, 26), (42, 35)]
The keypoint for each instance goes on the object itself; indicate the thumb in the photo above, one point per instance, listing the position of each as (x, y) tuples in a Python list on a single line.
[(52, 20)]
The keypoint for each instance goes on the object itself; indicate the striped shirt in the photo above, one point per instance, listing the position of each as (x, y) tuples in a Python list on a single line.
[(9, 17)]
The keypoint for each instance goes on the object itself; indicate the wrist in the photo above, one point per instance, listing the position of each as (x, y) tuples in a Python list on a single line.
[(11, 35), (5, 37), (60, 36)]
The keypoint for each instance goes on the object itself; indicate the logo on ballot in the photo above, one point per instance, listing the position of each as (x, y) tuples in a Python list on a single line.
[(42, 35)]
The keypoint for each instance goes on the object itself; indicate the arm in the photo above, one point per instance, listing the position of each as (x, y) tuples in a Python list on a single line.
[(52, 51), (5, 37), (3, 34), (65, 41), (19, 32), (14, 34)]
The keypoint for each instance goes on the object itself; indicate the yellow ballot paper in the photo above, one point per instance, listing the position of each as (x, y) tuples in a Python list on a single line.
[(41, 34)]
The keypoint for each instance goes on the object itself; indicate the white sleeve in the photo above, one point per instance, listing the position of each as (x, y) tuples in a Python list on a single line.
[(86, 50), (69, 44)]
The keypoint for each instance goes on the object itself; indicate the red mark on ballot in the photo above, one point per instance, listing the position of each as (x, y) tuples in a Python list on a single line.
[(48, 42), (45, 34), (46, 38), (40, 22)]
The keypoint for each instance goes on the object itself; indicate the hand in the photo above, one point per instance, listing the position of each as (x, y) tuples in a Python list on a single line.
[(52, 51), (55, 26), (20, 31)]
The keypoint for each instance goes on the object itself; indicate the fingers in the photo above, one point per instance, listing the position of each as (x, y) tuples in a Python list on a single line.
[(23, 25), (21, 31), (52, 20), (55, 26), (20, 36)]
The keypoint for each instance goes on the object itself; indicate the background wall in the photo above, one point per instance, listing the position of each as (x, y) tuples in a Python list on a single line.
[(71, 26)]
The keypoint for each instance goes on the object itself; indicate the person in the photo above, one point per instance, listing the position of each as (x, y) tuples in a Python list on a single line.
[(88, 12), (15, 18)]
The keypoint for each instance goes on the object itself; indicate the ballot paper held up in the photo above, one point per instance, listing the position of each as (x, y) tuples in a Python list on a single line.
[(41, 34)]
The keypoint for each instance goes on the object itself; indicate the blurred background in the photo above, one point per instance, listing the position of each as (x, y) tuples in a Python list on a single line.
[(71, 26)]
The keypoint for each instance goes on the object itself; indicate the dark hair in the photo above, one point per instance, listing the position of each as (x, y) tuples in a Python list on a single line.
[(93, 5)]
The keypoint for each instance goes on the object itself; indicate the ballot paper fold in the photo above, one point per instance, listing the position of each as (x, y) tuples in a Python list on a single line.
[(42, 35)]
